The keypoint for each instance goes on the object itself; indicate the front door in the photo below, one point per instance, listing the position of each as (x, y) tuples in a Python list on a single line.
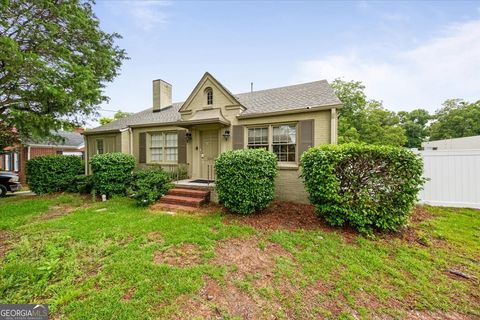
[(208, 153)]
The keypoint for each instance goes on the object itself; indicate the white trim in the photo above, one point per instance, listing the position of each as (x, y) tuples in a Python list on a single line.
[(451, 204)]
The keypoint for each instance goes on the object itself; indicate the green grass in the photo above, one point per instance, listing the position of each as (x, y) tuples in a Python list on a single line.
[(84, 262)]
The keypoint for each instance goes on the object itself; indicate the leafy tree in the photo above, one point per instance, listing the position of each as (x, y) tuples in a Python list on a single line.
[(415, 124), (456, 119), (118, 115), (364, 120), (54, 63), (8, 136)]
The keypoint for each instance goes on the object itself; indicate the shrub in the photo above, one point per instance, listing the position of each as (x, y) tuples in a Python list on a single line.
[(148, 185), (245, 179), (53, 173), (112, 173), (365, 186), (81, 184)]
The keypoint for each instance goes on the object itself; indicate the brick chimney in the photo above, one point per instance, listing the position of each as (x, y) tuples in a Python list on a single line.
[(79, 130), (162, 95)]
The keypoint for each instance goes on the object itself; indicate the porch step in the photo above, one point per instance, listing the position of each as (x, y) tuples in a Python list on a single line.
[(173, 207), (183, 200), (192, 193)]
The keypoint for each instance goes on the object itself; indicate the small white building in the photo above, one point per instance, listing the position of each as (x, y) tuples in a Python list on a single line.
[(465, 143)]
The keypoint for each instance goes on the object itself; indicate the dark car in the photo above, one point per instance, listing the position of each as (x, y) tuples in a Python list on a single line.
[(8, 182)]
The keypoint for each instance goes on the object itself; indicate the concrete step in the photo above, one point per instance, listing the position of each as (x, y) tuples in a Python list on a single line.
[(192, 193), (183, 200)]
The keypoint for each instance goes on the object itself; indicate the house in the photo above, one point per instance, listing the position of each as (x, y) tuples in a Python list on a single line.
[(212, 120), (15, 157), (465, 143)]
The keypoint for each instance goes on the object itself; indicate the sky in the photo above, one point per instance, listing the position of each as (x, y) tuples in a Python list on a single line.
[(412, 54)]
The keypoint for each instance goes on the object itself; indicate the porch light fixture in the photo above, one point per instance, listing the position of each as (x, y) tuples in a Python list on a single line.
[(226, 134), (188, 136)]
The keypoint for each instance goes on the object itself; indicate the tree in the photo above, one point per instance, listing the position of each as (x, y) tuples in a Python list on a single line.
[(364, 120), (54, 63), (8, 136), (415, 125), (457, 118), (118, 115)]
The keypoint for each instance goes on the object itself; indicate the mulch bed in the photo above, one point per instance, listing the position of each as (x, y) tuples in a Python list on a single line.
[(295, 216)]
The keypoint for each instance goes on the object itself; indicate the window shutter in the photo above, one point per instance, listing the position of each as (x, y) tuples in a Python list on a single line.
[(142, 157), (182, 146), (306, 136), (237, 136)]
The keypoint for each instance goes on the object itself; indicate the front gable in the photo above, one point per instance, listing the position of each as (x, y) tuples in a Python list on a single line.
[(197, 100)]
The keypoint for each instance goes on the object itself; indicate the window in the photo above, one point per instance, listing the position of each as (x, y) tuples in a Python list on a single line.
[(16, 162), (209, 93), (164, 147), (100, 149), (280, 139), (7, 162), (284, 142), (258, 138)]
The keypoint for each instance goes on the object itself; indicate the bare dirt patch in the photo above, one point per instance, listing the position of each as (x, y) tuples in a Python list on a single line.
[(4, 243), (128, 294), (183, 256), (249, 255), (59, 211)]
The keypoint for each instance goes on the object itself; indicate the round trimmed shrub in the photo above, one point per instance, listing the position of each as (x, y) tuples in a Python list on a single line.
[(246, 179), (112, 173), (53, 173), (148, 185), (366, 186)]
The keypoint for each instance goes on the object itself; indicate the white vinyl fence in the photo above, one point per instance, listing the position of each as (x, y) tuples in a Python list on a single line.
[(454, 178)]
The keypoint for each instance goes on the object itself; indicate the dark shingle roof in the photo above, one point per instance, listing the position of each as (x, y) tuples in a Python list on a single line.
[(312, 94), (67, 139)]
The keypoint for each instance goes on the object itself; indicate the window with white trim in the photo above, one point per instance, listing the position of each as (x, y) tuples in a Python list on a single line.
[(258, 138), (8, 162), (281, 139), (164, 147), (284, 142)]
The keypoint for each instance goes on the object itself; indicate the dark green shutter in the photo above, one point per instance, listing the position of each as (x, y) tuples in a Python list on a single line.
[(142, 157), (237, 136), (306, 133), (182, 146)]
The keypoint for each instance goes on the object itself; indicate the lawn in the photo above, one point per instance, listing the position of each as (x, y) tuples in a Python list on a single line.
[(94, 260)]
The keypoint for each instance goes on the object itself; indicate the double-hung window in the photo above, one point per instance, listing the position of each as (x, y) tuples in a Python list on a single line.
[(284, 142), (164, 147), (258, 138), (100, 149), (280, 139)]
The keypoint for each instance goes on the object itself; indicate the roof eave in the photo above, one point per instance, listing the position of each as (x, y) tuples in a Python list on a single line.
[(291, 111)]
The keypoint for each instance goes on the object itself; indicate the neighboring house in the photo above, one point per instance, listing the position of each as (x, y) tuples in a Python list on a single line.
[(14, 158), (212, 120), (465, 143)]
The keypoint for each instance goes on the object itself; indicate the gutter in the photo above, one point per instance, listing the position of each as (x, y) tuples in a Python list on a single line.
[(292, 111)]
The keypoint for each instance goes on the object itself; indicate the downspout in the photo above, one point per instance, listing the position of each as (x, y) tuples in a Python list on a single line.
[(333, 126), (85, 154)]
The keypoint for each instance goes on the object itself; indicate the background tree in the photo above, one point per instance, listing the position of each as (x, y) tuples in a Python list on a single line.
[(457, 118), (8, 136), (364, 120), (118, 115), (54, 63), (415, 125)]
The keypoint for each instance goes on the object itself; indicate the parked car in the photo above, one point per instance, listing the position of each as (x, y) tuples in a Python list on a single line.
[(8, 182)]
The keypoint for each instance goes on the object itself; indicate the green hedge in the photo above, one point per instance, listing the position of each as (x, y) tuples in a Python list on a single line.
[(245, 179), (53, 173), (366, 186), (148, 185), (112, 173)]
